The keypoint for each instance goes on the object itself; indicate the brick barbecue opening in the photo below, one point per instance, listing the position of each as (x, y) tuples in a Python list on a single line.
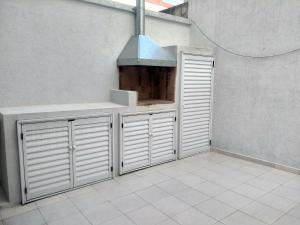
[(154, 85)]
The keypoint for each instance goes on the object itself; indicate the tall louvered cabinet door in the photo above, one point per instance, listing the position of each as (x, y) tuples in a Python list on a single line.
[(46, 158), (196, 104), (163, 137), (134, 142), (91, 149)]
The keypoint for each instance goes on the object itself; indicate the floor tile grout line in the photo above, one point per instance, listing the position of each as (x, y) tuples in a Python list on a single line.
[(255, 217), (285, 214), (106, 201), (238, 210), (3, 219), (68, 197), (252, 200), (281, 184), (38, 208), (182, 201), (130, 218), (123, 213), (219, 220), (260, 203), (151, 203)]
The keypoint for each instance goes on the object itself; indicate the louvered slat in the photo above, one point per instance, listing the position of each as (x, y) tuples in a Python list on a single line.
[(135, 143), (91, 139), (196, 101), (47, 158), (147, 140), (163, 137)]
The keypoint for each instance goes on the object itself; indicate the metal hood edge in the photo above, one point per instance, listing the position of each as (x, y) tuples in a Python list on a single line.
[(141, 50)]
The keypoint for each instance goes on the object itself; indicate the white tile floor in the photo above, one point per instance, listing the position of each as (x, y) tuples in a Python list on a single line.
[(208, 189)]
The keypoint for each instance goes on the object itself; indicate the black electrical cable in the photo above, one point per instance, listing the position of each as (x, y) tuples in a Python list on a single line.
[(238, 54)]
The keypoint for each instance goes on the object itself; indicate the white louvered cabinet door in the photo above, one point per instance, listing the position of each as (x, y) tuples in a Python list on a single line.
[(91, 149), (47, 158), (135, 142), (163, 137), (196, 96)]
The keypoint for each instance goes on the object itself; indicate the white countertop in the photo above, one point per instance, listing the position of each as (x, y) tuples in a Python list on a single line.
[(58, 108)]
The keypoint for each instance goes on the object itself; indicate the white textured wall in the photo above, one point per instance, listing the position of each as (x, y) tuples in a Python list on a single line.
[(256, 101), (65, 51)]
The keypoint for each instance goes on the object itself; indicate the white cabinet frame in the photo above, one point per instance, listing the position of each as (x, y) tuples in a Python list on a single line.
[(20, 123), (181, 153), (147, 116)]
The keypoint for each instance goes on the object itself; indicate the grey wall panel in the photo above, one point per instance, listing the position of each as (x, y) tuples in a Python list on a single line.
[(65, 51), (256, 101)]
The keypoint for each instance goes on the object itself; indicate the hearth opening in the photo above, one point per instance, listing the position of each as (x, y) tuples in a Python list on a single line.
[(154, 85)]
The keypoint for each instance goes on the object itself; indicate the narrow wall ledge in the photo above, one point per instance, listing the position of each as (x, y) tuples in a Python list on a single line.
[(127, 8)]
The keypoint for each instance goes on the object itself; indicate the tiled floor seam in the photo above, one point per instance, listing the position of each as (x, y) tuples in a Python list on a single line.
[(152, 204), (244, 193), (236, 210), (109, 201), (253, 202), (249, 197), (79, 210), (286, 213), (22, 212), (123, 213), (130, 219), (246, 172), (207, 214), (245, 182), (260, 219), (38, 208)]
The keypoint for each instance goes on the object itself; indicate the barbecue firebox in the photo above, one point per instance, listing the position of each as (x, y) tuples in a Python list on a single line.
[(146, 67), (154, 85)]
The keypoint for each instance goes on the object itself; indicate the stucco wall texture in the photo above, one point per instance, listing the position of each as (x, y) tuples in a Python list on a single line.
[(65, 51), (256, 101)]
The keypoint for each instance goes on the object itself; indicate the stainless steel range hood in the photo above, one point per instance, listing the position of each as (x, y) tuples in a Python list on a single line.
[(141, 50)]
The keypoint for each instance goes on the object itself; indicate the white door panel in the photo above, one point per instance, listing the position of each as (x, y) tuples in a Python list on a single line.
[(58, 155), (91, 150), (146, 140), (196, 97), (135, 142), (163, 137), (47, 158)]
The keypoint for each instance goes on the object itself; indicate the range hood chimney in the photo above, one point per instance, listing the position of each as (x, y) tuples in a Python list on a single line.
[(141, 50)]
